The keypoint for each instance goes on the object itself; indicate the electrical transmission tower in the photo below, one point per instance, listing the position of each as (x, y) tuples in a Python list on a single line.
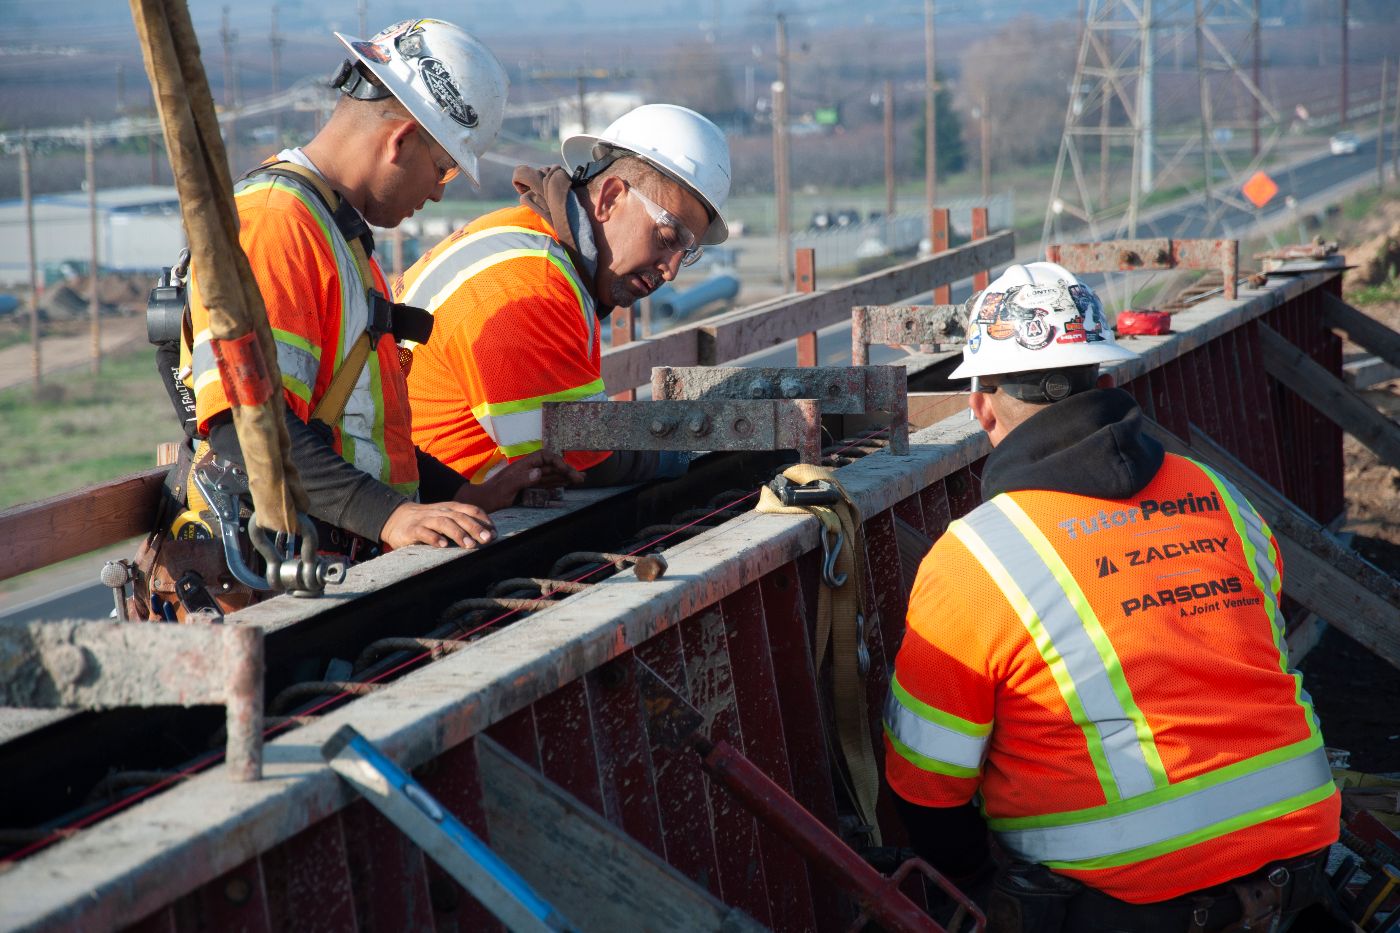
[(1114, 119)]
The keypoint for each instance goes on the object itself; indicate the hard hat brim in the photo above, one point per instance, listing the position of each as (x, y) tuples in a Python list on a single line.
[(1081, 356)]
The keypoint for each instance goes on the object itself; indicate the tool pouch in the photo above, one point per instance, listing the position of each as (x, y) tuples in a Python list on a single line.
[(1030, 899)]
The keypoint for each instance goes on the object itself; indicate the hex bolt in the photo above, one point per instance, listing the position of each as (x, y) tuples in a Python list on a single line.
[(661, 427), (68, 664), (699, 424), (760, 388), (238, 891), (791, 388), (650, 568), (1129, 257), (742, 427)]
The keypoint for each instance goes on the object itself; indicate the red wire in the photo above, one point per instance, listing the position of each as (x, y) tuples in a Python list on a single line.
[(215, 757)]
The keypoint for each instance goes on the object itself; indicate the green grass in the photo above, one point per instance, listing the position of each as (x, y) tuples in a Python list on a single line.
[(1360, 206), (1388, 292), (99, 428)]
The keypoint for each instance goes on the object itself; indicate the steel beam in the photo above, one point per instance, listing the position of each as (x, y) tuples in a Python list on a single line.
[(943, 327), (1149, 255), (761, 424), (103, 665), (839, 390)]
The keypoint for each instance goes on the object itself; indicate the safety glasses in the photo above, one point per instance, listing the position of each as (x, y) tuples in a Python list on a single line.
[(445, 172), (672, 235)]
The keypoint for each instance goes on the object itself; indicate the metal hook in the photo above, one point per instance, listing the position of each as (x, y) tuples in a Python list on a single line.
[(829, 554), (862, 651)]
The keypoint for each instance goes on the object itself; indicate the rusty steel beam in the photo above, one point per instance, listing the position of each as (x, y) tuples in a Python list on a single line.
[(756, 424), (943, 327), (839, 390), (1149, 255), (104, 665)]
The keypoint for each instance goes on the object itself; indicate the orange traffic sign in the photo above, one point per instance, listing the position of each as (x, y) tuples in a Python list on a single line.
[(1260, 189)]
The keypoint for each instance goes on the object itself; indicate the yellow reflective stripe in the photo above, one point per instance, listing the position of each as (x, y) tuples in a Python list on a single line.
[(1108, 655), (577, 394), (1043, 643)]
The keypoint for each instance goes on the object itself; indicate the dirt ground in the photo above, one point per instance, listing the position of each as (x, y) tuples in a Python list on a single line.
[(1357, 695)]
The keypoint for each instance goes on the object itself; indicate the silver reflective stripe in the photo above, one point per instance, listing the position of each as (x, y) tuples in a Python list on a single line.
[(1116, 730), (1265, 570), (202, 357), (1179, 816), (446, 272), (931, 739)]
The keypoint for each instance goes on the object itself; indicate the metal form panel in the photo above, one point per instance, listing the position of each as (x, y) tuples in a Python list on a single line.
[(729, 625), (839, 390), (784, 424), (936, 327)]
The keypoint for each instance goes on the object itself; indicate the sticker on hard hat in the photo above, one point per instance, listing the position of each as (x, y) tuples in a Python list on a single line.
[(1032, 332), (444, 91), (372, 51)]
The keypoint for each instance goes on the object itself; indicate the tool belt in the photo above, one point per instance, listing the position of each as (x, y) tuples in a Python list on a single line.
[(1033, 899)]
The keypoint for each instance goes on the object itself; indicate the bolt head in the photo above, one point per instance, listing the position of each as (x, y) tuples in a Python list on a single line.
[(743, 427), (791, 389), (699, 424), (660, 427), (68, 665)]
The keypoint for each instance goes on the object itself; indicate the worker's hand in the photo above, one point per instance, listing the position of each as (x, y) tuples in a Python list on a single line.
[(440, 524), (541, 468)]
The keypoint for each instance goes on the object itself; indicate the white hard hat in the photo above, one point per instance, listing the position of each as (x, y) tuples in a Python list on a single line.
[(677, 141), (451, 83), (1036, 316)]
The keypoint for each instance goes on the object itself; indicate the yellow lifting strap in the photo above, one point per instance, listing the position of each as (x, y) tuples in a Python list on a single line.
[(841, 622)]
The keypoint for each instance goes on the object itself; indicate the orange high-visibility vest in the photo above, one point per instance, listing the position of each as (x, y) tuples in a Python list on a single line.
[(514, 327), (1112, 677), (317, 307)]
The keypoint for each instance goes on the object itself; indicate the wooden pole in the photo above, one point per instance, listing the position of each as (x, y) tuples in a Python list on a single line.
[(986, 128), (1395, 127), (782, 163), (94, 311), (1257, 40), (1346, 102), (1380, 126), (930, 119), (889, 149), (27, 193)]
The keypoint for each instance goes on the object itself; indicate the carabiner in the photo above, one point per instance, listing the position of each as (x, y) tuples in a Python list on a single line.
[(829, 554)]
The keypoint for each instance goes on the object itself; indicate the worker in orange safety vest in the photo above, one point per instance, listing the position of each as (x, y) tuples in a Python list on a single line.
[(519, 296), (420, 103), (1097, 653)]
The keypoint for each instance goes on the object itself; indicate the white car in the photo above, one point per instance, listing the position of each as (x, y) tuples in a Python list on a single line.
[(1344, 143)]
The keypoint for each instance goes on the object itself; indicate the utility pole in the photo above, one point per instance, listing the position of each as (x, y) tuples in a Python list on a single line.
[(27, 193), (364, 24), (90, 164), (275, 41), (121, 89), (986, 127), (1257, 42), (930, 121), (1380, 126), (889, 149), (1346, 101), (582, 105), (1146, 96), (782, 163), (228, 37)]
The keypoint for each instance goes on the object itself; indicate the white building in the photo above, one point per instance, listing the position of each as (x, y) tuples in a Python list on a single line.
[(138, 230)]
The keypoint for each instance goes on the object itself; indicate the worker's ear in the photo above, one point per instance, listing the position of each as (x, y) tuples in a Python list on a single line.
[(609, 193), (982, 411), (399, 139)]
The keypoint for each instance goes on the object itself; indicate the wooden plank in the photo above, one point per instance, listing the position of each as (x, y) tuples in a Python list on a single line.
[(41, 533), (1320, 572), (1330, 396), (1361, 328), (594, 875), (630, 365), (734, 335), (926, 408)]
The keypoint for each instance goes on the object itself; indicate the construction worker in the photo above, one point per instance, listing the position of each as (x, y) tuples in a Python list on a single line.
[(1097, 652), (420, 102), (519, 296)]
